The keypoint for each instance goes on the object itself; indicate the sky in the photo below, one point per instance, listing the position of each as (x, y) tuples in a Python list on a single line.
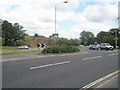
[(38, 16)]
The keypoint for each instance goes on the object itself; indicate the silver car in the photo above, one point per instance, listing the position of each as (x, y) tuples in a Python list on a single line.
[(23, 47)]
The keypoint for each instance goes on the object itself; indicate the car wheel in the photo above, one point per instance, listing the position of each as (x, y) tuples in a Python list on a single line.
[(106, 49)]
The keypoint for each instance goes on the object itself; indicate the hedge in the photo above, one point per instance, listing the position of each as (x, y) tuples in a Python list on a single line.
[(60, 49)]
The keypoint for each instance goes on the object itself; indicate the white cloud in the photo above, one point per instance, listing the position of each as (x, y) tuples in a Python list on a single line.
[(37, 16), (101, 12)]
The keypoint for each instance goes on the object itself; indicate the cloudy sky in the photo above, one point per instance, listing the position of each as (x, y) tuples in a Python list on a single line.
[(38, 16)]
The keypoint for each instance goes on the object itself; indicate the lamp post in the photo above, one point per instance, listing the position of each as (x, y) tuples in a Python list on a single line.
[(116, 42), (55, 11), (116, 33)]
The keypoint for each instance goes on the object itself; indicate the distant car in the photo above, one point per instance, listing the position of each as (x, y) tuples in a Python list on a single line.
[(93, 47), (106, 46), (23, 47), (81, 45)]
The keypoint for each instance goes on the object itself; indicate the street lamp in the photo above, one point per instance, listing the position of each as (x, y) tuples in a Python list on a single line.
[(55, 12), (116, 36), (116, 33)]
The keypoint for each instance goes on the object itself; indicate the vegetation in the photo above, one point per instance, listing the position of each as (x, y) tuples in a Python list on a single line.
[(36, 35), (75, 42), (63, 45), (109, 37), (12, 33), (10, 50), (22, 52), (87, 38), (101, 35), (62, 41), (61, 49), (65, 41)]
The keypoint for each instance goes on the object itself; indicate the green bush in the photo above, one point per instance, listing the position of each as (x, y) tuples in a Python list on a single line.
[(61, 49)]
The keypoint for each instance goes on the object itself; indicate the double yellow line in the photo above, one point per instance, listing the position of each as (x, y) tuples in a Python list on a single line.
[(99, 80)]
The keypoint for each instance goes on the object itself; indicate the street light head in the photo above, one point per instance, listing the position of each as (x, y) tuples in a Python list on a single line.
[(65, 1)]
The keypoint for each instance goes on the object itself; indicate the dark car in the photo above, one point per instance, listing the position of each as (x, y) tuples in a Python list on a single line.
[(93, 47)]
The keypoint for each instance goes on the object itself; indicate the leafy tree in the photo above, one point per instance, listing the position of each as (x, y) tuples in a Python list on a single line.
[(87, 38), (74, 42), (101, 35), (113, 32), (1, 27), (62, 41), (36, 35), (109, 39), (12, 33)]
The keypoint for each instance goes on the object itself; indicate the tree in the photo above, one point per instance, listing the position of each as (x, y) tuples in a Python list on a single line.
[(109, 39), (12, 33), (87, 38), (36, 35), (101, 35), (1, 27), (113, 31), (74, 42), (62, 41)]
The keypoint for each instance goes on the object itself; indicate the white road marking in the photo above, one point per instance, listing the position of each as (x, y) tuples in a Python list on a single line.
[(92, 57), (113, 54), (60, 63), (85, 58), (95, 57)]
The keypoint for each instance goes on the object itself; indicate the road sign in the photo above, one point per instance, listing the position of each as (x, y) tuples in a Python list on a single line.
[(38, 45), (41, 45)]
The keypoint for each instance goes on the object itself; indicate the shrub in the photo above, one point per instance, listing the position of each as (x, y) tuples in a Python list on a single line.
[(60, 49)]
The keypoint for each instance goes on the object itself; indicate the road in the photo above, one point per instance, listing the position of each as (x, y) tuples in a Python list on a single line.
[(71, 71)]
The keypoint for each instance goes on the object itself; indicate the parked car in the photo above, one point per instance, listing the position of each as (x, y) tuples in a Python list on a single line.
[(23, 47), (106, 46), (93, 47), (81, 45)]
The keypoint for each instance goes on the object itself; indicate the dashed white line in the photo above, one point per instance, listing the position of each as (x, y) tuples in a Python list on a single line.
[(95, 57), (92, 57), (113, 54), (60, 63), (85, 58)]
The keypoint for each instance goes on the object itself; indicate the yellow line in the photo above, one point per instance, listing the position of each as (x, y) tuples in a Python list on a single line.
[(99, 80)]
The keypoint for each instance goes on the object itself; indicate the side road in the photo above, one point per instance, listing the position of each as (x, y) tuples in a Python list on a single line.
[(34, 55), (38, 55)]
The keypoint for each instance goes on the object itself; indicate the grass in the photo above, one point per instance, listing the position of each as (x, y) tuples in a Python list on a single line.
[(9, 50), (22, 52)]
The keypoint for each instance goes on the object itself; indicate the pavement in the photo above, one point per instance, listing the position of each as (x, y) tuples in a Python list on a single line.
[(109, 83), (66, 71)]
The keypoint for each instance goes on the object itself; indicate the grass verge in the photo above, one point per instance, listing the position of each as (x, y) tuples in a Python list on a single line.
[(22, 52)]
